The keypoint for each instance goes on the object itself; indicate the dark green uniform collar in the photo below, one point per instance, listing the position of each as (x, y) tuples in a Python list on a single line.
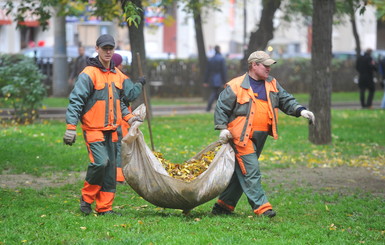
[(95, 62)]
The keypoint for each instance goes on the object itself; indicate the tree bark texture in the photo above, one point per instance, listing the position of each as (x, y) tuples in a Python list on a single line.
[(200, 43), (320, 95), (352, 18), (60, 86), (259, 39), (136, 37)]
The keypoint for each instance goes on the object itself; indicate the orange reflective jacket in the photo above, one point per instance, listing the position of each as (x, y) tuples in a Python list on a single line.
[(236, 107), (96, 99)]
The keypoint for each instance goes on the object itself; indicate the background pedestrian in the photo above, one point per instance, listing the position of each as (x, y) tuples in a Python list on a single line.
[(366, 67), (215, 76), (78, 65)]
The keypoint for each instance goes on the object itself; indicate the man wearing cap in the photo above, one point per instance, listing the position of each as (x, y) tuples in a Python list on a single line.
[(246, 113), (97, 101)]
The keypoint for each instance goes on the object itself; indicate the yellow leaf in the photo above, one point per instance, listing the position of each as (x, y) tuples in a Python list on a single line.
[(332, 227)]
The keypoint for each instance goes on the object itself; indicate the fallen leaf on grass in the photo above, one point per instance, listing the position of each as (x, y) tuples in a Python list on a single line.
[(332, 227), (327, 208)]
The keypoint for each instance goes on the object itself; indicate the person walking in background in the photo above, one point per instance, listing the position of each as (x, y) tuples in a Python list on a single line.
[(366, 66), (96, 100), (246, 113), (131, 93), (381, 70), (78, 65), (215, 76)]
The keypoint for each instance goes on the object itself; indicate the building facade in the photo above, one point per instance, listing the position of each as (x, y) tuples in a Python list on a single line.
[(172, 34)]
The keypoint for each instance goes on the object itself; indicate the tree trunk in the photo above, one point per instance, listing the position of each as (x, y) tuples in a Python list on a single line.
[(136, 36), (265, 32), (321, 54), (352, 18), (60, 84), (200, 43)]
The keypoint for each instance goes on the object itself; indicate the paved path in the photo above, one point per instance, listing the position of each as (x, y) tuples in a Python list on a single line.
[(59, 113)]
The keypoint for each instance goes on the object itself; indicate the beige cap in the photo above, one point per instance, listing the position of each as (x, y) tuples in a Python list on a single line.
[(261, 57)]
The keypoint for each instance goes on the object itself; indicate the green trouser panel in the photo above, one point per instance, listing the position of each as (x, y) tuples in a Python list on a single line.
[(250, 184), (103, 171), (119, 147)]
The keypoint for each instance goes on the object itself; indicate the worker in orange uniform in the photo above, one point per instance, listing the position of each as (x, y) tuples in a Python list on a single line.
[(246, 113), (96, 100)]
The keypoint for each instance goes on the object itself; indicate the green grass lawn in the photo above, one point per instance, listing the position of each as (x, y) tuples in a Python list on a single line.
[(50, 215), (302, 98)]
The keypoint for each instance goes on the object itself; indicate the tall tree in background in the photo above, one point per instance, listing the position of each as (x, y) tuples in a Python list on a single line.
[(264, 32), (196, 8), (136, 37), (321, 55), (200, 42), (137, 43), (349, 8)]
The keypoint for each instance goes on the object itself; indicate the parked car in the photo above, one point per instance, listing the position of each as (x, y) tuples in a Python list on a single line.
[(341, 55), (45, 54), (378, 53)]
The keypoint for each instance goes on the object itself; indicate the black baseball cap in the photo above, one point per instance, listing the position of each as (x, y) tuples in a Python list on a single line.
[(105, 40)]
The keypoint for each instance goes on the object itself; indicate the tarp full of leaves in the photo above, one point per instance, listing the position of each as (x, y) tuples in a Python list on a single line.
[(145, 173)]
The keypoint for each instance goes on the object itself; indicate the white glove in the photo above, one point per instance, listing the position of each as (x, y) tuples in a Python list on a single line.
[(134, 119), (308, 115), (69, 137), (224, 136)]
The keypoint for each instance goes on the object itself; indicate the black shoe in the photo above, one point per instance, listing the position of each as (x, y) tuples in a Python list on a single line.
[(218, 210), (85, 207), (110, 212), (269, 213)]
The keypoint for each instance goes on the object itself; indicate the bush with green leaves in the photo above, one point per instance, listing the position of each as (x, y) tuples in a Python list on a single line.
[(21, 85)]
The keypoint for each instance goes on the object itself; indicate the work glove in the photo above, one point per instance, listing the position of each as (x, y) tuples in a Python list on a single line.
[(69, 137), (308, 115), (224, 136), (142, 80), (134, 119)]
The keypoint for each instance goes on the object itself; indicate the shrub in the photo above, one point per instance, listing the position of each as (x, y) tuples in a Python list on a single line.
[(21, 85)]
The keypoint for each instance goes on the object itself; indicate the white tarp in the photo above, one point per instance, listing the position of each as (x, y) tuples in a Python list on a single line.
[(146, 175)]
